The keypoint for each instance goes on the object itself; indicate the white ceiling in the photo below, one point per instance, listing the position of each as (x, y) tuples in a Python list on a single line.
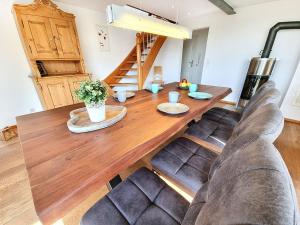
[(170, 9)]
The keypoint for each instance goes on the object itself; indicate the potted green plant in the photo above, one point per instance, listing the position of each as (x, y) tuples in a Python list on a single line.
[(94, 95)]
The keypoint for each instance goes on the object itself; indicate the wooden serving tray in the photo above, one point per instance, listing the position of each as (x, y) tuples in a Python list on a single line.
[(81, 123)]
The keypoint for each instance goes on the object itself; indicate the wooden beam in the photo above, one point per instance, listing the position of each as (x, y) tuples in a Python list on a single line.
[(224, 6)]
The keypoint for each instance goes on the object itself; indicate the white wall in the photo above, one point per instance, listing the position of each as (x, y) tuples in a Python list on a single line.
[(100, 64), (234, 40), (169, 57), (289, 108), (17, 94)]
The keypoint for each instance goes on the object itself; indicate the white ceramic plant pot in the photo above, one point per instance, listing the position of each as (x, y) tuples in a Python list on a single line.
[(96, 112)]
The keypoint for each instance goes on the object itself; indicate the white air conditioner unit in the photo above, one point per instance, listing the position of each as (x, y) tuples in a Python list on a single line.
[(133, 19)]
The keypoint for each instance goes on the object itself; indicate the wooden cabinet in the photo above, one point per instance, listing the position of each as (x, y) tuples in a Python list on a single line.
[(51, 43), (65, 38), (74, 83), (56, 92), (60, 91), (39, 37)]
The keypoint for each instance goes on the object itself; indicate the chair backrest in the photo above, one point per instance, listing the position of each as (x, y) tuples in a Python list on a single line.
[(268, 95), (260, 92), (266, 122), (252, 186), (263, 88)]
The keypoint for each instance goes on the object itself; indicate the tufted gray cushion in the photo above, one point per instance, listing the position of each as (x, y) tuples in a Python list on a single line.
[(212, 131), (223, 115), (184, 162), (142, 199), (229, 117), (217, 126), (252, 186)]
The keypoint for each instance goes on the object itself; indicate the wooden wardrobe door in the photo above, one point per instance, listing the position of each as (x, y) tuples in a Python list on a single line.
[(65, 38), (74, 84), (39, 36), (56, 92)]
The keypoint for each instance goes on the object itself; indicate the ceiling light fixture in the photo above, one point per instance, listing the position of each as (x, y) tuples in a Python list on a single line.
[(138, 20)]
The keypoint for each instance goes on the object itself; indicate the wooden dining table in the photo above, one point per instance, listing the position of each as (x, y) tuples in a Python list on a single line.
[(64, 168)]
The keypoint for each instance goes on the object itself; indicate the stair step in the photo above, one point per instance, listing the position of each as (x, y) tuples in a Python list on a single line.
[(141, 54), (127, 76), (128, 69), (122, 84), (134, 61)]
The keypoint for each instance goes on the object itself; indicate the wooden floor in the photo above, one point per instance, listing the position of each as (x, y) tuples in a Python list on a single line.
[(288, 145), (16, 206)]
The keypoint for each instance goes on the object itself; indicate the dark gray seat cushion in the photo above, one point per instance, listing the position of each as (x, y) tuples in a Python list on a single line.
[(252, 186), (185, 162), (212, 131), (230, 117), (142, 199), (216, 126), (222, 115)]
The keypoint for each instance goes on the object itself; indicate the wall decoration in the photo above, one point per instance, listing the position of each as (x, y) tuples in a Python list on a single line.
[(103, 38)]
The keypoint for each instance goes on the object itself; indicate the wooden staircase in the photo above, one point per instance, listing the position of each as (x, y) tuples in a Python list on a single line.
[(134, 69)]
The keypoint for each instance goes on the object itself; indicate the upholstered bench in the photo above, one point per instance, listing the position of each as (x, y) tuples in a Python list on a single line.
[(252, 186), (216, 126), (188, 164)]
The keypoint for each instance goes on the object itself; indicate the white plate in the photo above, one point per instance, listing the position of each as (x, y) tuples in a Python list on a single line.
[(129, 94), (200, 95), (173, 108)]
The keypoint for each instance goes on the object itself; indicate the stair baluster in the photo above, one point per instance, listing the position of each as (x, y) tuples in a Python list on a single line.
[(143, 56), (138, 57)]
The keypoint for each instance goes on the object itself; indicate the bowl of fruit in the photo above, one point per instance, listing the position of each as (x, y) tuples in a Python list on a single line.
[(184, 84)]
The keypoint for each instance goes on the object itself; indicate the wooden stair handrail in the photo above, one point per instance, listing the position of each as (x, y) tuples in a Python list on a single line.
[(135, 56)]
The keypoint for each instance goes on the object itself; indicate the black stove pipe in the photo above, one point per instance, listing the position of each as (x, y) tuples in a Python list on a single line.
[(260, 68), (273, 32)]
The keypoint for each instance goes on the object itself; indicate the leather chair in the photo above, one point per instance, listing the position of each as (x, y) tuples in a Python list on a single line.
[(188, 164), (216, 126), (252, 186), (233, 117), (142, 199)]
